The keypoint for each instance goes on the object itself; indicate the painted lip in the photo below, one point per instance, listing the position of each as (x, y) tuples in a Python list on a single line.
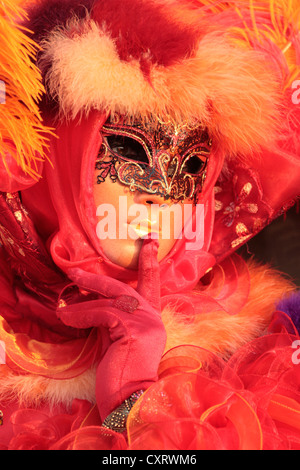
[(142, 232), (144, 227)]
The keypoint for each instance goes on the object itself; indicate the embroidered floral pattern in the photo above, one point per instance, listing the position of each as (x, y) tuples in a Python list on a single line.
[(240, 209)]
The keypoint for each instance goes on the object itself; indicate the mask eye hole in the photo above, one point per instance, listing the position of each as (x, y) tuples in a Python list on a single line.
[(128, 148), (194, 165)]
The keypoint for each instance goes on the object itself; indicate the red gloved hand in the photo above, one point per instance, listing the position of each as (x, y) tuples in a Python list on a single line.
[(135, 328)]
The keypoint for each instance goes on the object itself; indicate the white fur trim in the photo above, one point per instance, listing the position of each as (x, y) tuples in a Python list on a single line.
[(229, 89), (33, 391)]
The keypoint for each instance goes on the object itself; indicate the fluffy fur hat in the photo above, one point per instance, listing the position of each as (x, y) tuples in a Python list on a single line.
[(168, 59)]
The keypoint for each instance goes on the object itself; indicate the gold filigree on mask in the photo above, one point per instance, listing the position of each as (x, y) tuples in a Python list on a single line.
[(167, 160)]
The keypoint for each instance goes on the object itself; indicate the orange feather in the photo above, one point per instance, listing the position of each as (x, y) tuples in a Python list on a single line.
[(22, 133)]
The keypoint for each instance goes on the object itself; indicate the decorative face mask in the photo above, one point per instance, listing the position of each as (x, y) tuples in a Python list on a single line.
[(155, 158)]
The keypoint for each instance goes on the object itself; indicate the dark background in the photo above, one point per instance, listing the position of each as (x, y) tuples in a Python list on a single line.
[(279, 244)]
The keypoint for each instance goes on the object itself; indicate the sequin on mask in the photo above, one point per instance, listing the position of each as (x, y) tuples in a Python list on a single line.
[(155, 158)]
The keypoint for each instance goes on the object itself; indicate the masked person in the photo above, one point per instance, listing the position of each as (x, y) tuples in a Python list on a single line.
[(116, 335)]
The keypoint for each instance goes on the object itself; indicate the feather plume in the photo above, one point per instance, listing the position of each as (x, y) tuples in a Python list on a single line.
[(22, 133), (271, 26)]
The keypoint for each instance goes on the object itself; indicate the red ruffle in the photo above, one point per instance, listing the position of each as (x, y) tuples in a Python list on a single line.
[(199, 402), (251, 402)]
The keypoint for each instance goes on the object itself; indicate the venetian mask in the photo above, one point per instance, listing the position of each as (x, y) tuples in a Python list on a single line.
[(156, 158)]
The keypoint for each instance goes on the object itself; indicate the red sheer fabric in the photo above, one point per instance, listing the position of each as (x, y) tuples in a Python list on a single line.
[(74, 243), (63, 212), (199, 402), (49, 324)]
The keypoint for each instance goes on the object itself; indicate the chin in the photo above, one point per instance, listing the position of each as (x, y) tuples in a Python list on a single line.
[(123, 253)]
